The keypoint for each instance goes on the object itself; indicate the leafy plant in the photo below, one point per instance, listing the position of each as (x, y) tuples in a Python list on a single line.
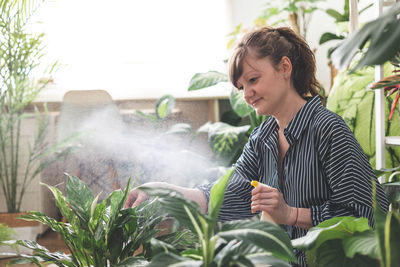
[(349, 241), (349, 99), (226, 141), (382, 36), (20, 55), (163, 109), (297, 12), (391, 85), (340, 19), (242, 242), (96, 234), (340, 241)]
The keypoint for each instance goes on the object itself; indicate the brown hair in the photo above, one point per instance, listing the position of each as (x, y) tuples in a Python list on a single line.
[(276, 43)]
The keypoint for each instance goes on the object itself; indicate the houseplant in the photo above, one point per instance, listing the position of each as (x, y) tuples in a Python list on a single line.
[(20, 55), (235, 243), (96, 234)]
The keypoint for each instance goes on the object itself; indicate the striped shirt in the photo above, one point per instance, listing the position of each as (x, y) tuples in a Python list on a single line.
[(324, 169)]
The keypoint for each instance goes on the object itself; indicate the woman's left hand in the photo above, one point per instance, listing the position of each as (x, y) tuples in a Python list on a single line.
[(270, 200)]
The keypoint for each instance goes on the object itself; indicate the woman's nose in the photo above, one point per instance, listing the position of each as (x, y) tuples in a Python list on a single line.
[(247, 93)]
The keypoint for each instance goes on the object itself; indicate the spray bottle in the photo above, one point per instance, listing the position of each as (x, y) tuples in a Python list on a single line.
[(264, 215)]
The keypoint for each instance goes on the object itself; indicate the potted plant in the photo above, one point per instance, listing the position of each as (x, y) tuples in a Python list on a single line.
[(235, 243), (21, 161), (96, 233)]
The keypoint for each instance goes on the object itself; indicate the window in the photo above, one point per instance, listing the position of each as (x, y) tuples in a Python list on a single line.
[(153, 46)]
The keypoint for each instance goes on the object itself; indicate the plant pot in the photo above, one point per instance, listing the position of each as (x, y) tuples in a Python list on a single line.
[(25, 230)]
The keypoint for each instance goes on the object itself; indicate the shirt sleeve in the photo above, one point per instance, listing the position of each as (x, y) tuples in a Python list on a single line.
[(349, 176), (237, 200)]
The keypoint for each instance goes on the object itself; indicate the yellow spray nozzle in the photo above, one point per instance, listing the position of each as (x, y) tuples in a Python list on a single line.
[(254, 183)]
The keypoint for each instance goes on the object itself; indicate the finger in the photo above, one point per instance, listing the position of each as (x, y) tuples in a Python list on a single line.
[(262, 188), (263, 196)]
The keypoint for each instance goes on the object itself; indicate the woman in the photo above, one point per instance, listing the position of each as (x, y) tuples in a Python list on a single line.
[(313, 165)]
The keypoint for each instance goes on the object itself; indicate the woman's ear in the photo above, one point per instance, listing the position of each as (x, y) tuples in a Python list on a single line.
[(286, 67)]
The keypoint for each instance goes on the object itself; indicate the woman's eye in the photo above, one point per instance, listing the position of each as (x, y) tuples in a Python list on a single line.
[(252, 80)]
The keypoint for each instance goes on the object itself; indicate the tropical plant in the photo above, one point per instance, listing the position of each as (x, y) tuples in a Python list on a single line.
[(349, 99), (349, 241), (6, 233), (243, 242), (96, 234), (382, 36), (226, 141), (340, 19), (20, 55), (164, 106), (297, 12), (391, 85)]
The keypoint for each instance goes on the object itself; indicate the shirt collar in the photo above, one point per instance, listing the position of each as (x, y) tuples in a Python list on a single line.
[(299, 122)]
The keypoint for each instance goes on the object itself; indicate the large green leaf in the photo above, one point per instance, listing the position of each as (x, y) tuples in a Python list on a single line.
[(387, 232), (334, 228), (349, 99), (225, 140), (328, 36), (268, 236), (363, 243), (207, 79), (174, 204), (217, 194), (331, 254), (61, 203), (383, 35), (80, 197), (164, 106), (42, 255), (169, 259), (238, 104)]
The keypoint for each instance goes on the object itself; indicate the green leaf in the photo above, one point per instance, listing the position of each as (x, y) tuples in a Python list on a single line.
[(265, 235), (180, 128), (387, 232), (149, 117), (217, 194), (158, 246), (174, 204), (225, 140), (80, 197), (204, 80), (363, 243), (331, 254), (168, 259), (238, 104), (259, 259), (327, 36), (132, 261), (334, 228), (336, 15), (164, 106), (61, 203), (383, 35)]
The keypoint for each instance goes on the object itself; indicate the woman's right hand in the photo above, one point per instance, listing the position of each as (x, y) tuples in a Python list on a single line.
[(135, 197)]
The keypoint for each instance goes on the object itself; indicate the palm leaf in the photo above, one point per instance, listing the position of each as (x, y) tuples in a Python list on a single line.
[(383, 36)]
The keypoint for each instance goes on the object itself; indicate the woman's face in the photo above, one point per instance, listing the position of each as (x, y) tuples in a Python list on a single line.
[(263, 85)]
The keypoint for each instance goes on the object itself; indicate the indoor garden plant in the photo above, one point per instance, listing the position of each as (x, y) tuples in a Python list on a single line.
[(20, 56)]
